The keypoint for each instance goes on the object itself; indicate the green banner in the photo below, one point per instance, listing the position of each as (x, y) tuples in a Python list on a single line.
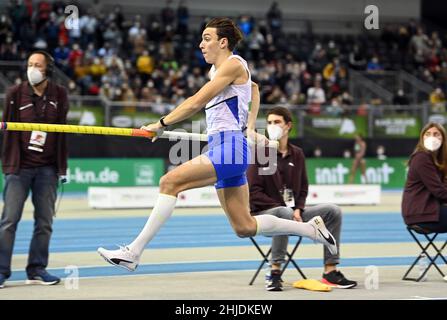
[(84, 173), (389, 173), (334, 127), (397, 127)]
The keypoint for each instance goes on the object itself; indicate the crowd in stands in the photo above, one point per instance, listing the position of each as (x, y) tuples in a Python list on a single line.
[(156, 58)]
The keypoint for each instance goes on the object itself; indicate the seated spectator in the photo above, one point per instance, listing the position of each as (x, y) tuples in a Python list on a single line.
[(168, 15), (403, 38), (255, 42), (425, 192), (427, 76), (276, 96), (332, 50), (287, 200), (400, 98), (318, 58), (274, 18), (134, 31), (61, 54), (437, 100), (97, 69), (73, 89), (245, 24), (145, 66), (334, 71), (182, 18), (346, 98), (332, 89), (374, 65), (435, 42), (362, 110), (76, 54), (139, 43), (106, 91), (128, 96), (419, 42), (315, 98), (335, 108), (357, 59)]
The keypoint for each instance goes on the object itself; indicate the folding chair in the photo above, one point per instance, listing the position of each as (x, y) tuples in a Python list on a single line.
[(265, 258), (430, 244)]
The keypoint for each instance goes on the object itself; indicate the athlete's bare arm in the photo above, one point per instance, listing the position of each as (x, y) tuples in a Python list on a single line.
[(252, 116), (230, 71)]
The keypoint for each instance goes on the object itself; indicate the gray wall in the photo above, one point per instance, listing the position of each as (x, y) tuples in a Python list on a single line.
[(326, 16), (332, 9)]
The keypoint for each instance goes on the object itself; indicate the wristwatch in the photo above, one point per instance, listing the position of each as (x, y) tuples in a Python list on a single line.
[(162, 122)]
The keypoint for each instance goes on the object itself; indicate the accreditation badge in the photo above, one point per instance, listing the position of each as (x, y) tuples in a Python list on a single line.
[(288, 198), (37, 141)]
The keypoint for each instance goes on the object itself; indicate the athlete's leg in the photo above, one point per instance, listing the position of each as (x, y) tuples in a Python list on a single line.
[(195, 173), (354, 167), (198, 172), (235, 200), (235, 203), (363, 170)]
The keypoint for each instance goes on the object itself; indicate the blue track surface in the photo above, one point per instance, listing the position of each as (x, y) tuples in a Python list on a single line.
[(86, 272), (83, 235), (194, 231)]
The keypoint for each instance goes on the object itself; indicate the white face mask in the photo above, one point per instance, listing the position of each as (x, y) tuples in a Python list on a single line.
[(432, 143), (275, 132), (34, 76)]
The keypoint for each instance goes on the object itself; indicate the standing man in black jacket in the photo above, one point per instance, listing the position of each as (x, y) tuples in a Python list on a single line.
[(32, 161), (284, 193)]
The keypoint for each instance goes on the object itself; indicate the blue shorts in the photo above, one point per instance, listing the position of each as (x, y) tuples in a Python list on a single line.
[(230, 155)]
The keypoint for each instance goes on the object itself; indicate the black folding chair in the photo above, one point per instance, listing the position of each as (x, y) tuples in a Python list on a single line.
[(265, 259), (430, 237)]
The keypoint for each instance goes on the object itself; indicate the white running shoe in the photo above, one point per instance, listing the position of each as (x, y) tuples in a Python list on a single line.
[(122, 257), (323, 235)]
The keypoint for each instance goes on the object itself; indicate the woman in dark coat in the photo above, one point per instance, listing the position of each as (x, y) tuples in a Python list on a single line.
[(424, 201)]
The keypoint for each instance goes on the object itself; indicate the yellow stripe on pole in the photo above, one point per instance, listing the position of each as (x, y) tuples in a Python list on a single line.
[(67, 128), (109, 131)]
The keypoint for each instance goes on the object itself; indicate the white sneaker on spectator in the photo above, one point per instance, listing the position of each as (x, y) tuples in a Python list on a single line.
[(323, 235), (121, 257)]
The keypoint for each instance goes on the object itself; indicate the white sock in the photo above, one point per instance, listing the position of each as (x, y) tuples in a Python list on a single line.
[(269, 225), (160, 214)]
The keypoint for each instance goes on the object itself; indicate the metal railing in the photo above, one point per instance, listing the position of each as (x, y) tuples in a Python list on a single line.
[(384, 85), (418, 90), (360, 85)]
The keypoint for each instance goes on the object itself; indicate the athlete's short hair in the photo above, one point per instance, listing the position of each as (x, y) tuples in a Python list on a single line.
[(226, 28)]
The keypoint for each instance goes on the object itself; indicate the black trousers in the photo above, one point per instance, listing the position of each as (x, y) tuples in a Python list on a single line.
[(440, 226)]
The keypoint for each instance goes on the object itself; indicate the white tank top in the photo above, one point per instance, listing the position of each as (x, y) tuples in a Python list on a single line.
[(229, 109)]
